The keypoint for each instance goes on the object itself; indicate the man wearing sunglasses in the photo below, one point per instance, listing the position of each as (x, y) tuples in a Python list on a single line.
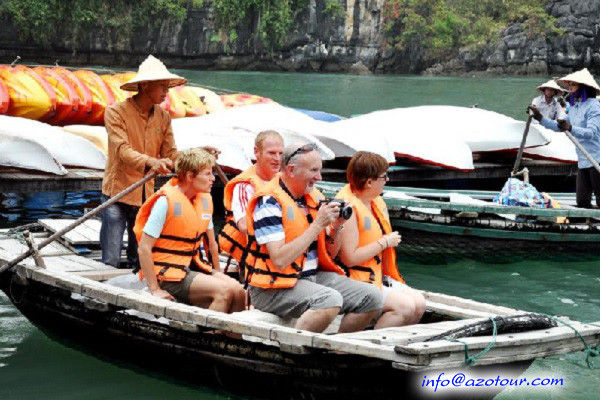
[(288, 235)]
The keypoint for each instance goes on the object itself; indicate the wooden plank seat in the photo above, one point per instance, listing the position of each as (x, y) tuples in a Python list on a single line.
[(261, 316)]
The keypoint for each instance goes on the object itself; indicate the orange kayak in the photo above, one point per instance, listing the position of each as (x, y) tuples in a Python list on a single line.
[(174, 104), (67, 100), (30, 95), (115, 83), (4, 98), (191, 101), (102, 96), (84, 94), (243, 99)]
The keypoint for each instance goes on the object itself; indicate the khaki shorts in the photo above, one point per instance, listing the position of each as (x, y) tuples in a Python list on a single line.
[(322, 290), (180, 289)]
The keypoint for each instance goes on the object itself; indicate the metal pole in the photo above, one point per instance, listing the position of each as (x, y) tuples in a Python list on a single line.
[(584, 151), (79, 221)]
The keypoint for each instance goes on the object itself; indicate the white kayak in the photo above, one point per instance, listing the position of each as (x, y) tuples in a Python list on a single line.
[(242, 124), (356, 137), (480, 129), (560, 148), (95, 134), (20, 152), (67, 149), (232, 154), (403, 140)]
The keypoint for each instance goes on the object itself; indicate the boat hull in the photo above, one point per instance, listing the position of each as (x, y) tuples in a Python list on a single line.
[(209, 359)]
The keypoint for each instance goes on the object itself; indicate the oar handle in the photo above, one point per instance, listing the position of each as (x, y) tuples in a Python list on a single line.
[(80, 220), (221, 174), (584, 151), (522, 147)]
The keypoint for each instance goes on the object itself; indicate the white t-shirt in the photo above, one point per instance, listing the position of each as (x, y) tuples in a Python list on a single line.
[(551, 111), (242, 192)]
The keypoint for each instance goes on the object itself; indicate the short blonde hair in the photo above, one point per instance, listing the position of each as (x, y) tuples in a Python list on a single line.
[(193, 160), (264, 135)]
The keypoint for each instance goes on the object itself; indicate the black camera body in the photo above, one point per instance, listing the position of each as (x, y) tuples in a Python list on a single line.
[(345, 208)]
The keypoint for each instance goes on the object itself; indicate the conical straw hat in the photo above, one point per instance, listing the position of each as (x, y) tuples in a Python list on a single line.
[(582, 77), (550, 85), (152, 69)]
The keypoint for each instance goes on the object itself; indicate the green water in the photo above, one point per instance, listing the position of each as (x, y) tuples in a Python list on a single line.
[(33, 366)]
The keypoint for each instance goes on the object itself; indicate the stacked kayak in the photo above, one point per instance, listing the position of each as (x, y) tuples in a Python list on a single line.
[(30, 144), (59, 96)]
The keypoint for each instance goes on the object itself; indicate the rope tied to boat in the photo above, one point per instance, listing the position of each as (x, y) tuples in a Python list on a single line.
[(472, 360), (590, 350)]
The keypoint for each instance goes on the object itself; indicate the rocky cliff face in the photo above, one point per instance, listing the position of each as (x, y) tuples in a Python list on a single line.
[(351, 41), (517, 53)]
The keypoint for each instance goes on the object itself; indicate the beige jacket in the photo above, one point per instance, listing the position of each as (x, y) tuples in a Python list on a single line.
[(134, 137)]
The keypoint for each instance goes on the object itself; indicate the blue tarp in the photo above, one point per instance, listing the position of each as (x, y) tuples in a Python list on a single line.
[(320, 115)]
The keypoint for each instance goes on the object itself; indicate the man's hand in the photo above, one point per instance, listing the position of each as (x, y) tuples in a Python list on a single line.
[(392, 239), (537, 115), (564, 125), (162, 166), (212, 150), (328, 213), (162, 294)]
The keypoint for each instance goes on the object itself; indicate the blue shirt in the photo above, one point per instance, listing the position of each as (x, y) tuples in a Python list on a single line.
[(585, 120), (268, 227)]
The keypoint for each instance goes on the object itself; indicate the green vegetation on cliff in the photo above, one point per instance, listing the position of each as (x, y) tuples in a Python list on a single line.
[(441, 27), (271, 19), (44, 21), (41, 21)]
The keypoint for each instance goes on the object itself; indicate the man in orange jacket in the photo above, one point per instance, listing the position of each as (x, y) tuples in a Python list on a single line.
[(289, 233), (140, 139), (268, 149)]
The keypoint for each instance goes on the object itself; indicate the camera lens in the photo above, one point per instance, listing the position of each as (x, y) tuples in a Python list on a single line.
[(346, 212)]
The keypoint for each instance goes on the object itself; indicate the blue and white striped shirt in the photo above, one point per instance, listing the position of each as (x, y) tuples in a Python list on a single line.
[(268, 227)]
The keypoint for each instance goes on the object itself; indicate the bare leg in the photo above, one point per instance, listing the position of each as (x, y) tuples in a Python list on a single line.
[(317, 320), (356, 321), (398, 310), (209, 292), (420, 305), (239, 294)]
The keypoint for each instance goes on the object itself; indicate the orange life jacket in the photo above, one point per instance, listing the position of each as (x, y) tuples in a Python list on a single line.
[(371, 227), (231, 240), (262, 273), (183, 232)]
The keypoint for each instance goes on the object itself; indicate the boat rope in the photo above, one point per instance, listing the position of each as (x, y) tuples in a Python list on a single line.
[(590, 350), (472, 360)]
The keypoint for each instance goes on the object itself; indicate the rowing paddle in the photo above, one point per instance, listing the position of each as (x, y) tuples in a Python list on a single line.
[(583, 151), (79, 221)]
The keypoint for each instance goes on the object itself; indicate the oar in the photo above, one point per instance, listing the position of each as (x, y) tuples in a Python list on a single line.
[(584, 151), (79, 221), (522, 147), (221, 174)]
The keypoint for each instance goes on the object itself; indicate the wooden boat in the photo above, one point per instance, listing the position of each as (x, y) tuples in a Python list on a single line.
[(71, 299), (440, 225)]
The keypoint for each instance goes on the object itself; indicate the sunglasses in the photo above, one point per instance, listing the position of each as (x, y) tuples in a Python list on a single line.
[(300, 150)]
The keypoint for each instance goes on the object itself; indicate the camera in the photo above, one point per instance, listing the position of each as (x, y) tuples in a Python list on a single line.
[(345, 208)]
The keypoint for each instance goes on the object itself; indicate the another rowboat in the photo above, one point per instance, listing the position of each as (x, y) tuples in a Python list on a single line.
[(438, 225), (72, 299)]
